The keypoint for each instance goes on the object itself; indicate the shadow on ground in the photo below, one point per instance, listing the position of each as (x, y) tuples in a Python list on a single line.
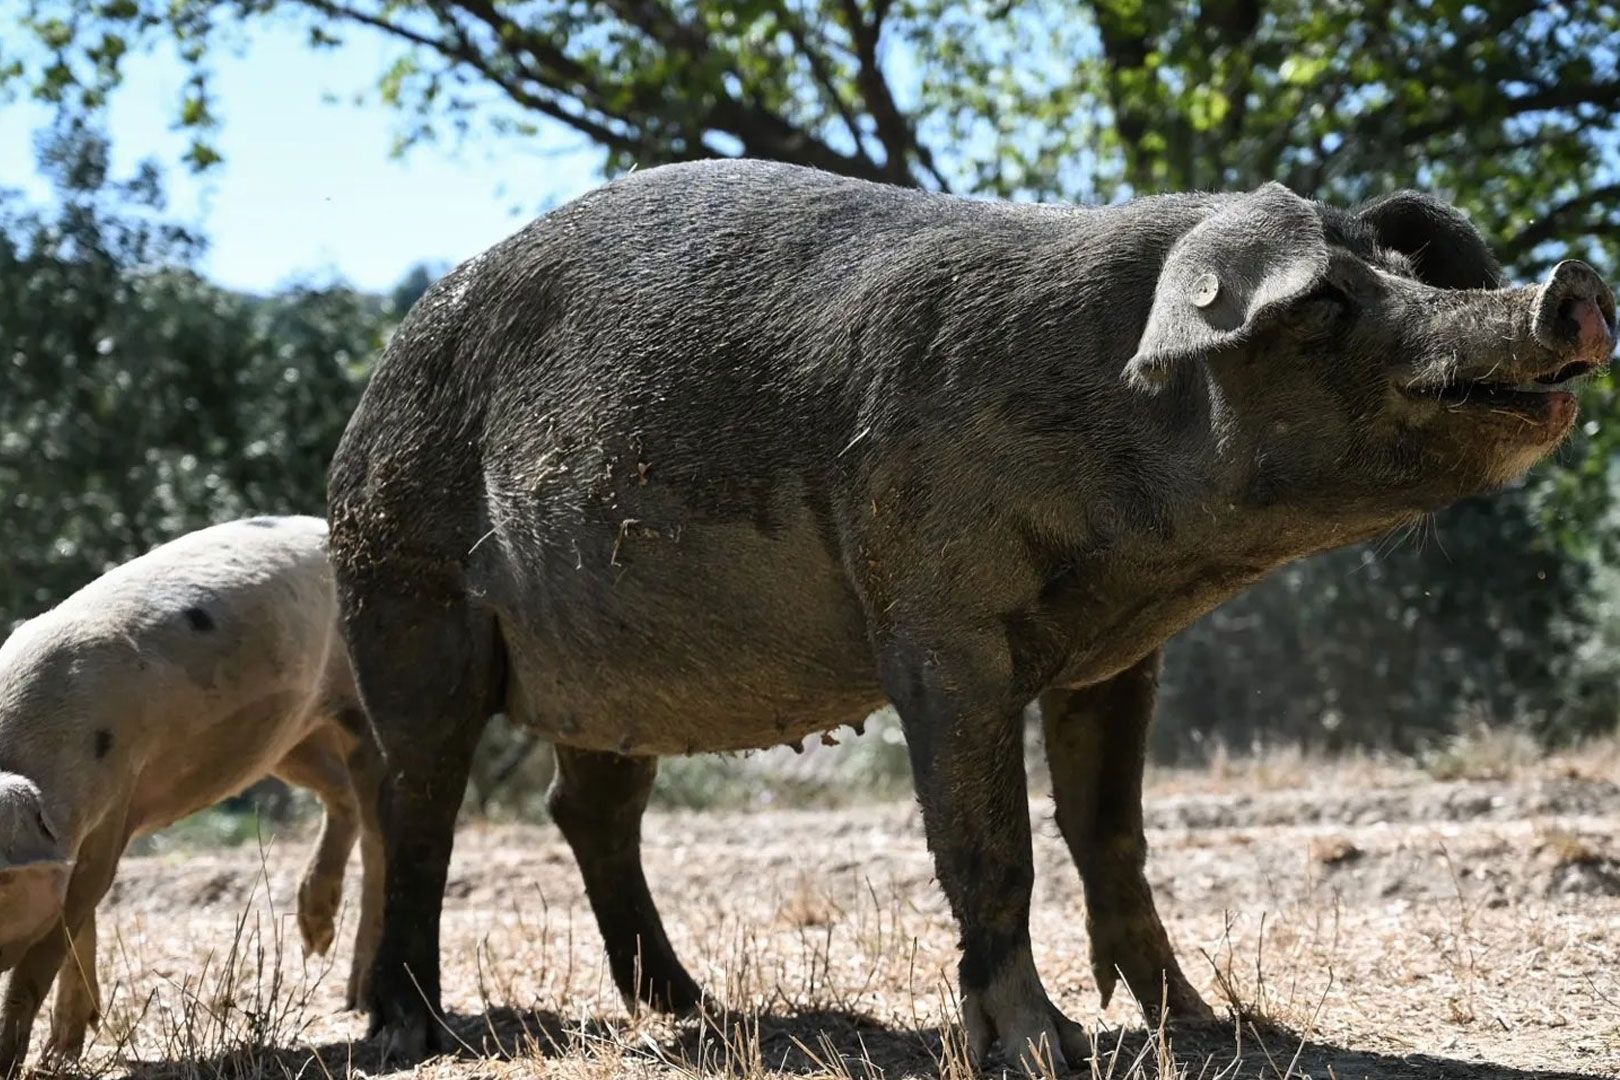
[(831, 1041)]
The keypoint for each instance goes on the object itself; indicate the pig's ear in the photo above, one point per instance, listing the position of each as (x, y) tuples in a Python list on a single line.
[(28, 837), (1445, 248), (1252, 256), (34, 893)]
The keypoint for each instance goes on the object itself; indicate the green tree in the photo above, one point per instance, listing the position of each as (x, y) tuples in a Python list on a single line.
[(140, 400), (1477, 616), (1511, 106)]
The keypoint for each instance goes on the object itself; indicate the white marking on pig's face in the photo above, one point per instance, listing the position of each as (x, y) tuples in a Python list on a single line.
[(30, 903)]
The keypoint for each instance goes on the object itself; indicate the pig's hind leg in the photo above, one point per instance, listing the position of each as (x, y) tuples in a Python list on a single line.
[(597, 800), (429, 665), (318, 763), (366, 771), (1096, 746)]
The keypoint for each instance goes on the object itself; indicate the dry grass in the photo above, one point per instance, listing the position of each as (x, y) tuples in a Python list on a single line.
[(1480, 752), (1281, 769), (1474, 933)]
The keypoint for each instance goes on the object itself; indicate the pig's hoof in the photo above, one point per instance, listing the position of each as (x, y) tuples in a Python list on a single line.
[(678, 996), (66, 1045), (1034, 1038), (318, 902), (1182, 1005), (11, 1058), (406, 1041), (318, 934), (405, 1035), (1139, 951), (1171, 994), (359, 992)]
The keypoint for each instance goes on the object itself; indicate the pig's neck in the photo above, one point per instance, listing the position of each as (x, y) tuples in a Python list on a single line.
[(1116, 605), (1276, 492), (1201, 532), (56, 750)]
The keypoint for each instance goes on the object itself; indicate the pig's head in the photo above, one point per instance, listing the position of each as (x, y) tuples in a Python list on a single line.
[(1368, 365), (34, 868)]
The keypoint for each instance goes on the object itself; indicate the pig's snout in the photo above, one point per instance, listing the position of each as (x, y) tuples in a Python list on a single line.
[(1574, 315)]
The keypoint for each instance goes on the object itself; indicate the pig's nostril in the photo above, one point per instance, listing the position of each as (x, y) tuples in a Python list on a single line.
[(1584, 325), (1573, 313), (1578, 311)]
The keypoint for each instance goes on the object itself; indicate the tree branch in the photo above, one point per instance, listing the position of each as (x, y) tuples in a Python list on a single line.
[(1124, 49), (892, 130), (543, 52), (1550, 224), (762, 132), (823, 76), (462, 53), (538, 75), (1545, 99), (895, 130), (652, 19)]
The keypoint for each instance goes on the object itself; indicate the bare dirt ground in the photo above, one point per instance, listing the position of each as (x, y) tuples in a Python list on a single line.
[(1371, 922)]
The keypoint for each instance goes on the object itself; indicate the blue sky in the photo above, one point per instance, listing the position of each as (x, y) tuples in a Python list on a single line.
[(308, 189)]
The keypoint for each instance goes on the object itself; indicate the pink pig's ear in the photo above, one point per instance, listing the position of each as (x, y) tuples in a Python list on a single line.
[(28, 836), (31, 899), (35, 866)]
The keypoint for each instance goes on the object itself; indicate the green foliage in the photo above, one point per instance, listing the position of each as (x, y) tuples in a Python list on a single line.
[(142, 401), (1511, 107), (513, 768)]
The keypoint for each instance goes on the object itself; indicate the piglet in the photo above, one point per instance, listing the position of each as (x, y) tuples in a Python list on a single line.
[(166, 685)]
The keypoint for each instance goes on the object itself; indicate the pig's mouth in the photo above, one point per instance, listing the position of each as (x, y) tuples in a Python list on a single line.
[(1546, 398)]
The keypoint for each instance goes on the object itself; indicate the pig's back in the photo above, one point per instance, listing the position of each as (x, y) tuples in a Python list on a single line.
[(203, 660), (262, 580)]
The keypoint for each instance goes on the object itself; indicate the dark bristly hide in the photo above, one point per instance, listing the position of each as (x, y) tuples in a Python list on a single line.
[(723, 455)]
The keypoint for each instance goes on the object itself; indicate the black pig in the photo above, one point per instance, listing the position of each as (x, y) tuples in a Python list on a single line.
[(724, 454)]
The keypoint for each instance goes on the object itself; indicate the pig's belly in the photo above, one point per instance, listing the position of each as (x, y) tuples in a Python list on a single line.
[(675, 712), (215, 746), (726, 639)]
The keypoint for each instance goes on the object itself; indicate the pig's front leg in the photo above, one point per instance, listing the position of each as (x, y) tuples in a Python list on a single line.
[(1096, 746), (78, 995), (25, 993), (31, 979), (964, 731)]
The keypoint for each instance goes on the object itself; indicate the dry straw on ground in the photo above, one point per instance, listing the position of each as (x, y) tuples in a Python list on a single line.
[(1363, 922)]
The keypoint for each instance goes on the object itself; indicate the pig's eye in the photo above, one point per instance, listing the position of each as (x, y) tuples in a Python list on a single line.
[(1327, 292), (44, 829), (1325, 304)]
